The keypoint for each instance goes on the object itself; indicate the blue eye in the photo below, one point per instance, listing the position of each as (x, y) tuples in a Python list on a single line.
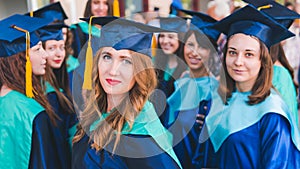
[(106, 57), (127, 61)]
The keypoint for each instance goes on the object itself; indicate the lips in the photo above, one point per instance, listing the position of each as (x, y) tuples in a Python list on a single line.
[(113, 81), (194, 60), (57, 61), (237, 71)]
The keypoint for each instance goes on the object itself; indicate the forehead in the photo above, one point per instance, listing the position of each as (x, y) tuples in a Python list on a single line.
[(242, 41), (114, 52)]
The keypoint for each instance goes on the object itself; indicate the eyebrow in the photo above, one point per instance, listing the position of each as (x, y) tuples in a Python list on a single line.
[(122, 56), (248, 50)]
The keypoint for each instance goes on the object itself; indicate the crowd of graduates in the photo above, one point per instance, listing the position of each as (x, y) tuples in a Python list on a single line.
[(118, 93)]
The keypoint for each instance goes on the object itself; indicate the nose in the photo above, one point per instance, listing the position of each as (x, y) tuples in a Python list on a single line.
[(114, 68), (59, 52), (44, 54), (238, 60)]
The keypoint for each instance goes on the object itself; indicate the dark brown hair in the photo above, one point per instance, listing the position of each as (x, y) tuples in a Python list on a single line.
[(88, 8), (277, 54), (12, 74), (263, 84), (59, 79)]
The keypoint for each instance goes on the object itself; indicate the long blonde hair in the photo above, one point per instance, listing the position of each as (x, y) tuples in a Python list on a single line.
[(104, 133)]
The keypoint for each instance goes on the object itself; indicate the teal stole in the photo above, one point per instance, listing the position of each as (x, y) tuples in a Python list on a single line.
[(224, 120), (283, 82), (49, 88), (189, 92), (148, 123), (72, 63), (85, 28), (16, 125)]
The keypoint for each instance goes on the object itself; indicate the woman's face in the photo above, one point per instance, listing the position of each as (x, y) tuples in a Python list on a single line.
[(38, 58), (99, 7), (115, 69), (169, 42), (243, 60), (195, 55), (56, 52)]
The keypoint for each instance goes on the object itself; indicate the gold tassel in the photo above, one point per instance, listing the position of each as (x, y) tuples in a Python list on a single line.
[(87, 81), (28, 68), (31, 13), (153, 46), (265, 7), (116, 8)]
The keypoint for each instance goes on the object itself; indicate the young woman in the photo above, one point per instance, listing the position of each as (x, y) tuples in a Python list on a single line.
[(192, 95), (283, 79), (58, 93), (25, 122), (254, 127), (119, 127), (168, 61), (80, 30)]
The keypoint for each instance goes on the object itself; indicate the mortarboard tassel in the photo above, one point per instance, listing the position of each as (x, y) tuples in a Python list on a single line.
[(265, 7), (31, 13), (28, 68), (153, 46), (116, 8), (87, 82)]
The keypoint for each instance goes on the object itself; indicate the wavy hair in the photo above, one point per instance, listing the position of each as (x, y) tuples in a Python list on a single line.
[(110, 128), (263, 84)]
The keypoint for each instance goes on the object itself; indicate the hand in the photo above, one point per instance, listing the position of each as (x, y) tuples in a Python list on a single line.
[(200, 120)]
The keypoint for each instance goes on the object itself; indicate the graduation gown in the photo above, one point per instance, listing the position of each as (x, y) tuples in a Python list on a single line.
[(147, 145), (25, 138), (283, 82), (264, 135), (62, 132), (192, 96)]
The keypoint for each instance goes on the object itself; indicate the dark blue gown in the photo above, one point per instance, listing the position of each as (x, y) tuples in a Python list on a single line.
[(182, 111), (61, 135), (84, 157), (146, 145), (264, 135)]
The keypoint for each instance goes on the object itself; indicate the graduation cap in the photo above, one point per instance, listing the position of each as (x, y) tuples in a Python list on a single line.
[(250, 21), (120, 34), (203, 22), (280, 13), (173, 24), (18, 34), (51, 32), (53, 11)]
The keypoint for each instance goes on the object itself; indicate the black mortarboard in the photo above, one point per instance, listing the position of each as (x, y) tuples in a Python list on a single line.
[(120, 34), (51, 32), (203, 21), (280, 13), (13, 41), (18, 34), (173, 24), (53, 11), (248, 20)]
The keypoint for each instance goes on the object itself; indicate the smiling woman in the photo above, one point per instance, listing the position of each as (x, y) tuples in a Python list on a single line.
[(119, 127), (250, 125)]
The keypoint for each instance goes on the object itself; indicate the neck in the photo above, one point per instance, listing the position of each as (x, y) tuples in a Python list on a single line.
[(172, 63), (113, 101), (201, 72), (244, 87), (4, 90)]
